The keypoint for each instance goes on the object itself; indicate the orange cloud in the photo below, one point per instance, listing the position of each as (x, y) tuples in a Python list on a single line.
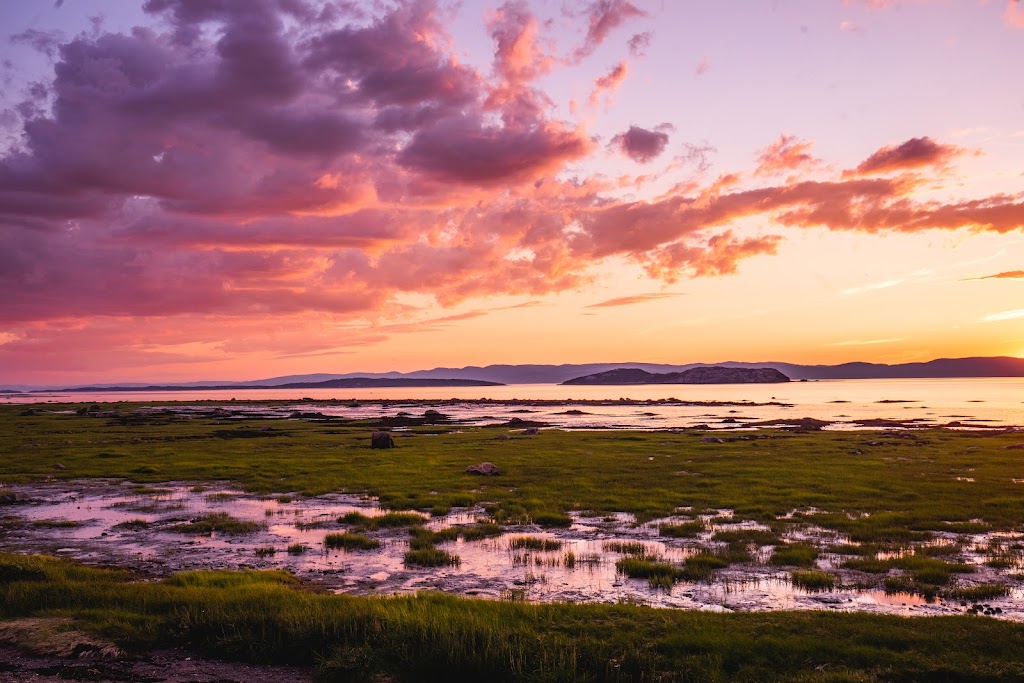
[(1013, 15), (630, 300), (912, 154), (785, 155), (1008, 275)]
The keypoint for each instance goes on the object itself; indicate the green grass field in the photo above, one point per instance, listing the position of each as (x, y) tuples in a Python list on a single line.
[(897, 490), (878, 489)]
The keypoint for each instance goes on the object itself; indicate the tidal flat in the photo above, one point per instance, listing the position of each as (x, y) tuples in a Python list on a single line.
[(760, 540)]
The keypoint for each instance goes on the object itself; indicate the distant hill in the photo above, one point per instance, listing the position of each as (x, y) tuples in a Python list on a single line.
[(345, 383), (702, 375)]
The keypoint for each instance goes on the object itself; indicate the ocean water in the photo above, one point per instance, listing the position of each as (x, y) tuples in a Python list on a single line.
[(971, 402)]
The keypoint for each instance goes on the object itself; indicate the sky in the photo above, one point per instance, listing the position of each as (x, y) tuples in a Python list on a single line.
[(241, 189)]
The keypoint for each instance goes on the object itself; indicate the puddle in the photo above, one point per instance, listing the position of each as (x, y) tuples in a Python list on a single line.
[(118, 523)]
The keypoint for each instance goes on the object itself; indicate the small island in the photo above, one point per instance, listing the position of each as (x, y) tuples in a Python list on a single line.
[(716, 374)]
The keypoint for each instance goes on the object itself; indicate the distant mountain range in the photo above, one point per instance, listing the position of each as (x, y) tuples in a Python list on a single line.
[(717, 374), (343, 383), (999, 366)]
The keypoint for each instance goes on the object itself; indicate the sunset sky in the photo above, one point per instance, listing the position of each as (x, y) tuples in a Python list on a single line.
[(239, 189)]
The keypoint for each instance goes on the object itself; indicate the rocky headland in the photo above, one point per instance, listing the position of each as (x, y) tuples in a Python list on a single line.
[(716, 374)]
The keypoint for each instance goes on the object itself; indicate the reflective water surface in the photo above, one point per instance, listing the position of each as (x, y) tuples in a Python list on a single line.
[(847, 403), (121, 523)]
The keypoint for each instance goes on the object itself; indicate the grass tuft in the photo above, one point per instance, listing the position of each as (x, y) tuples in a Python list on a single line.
[(812, 580), (430, 557), (219, 522), (350, 542), (534, 543), (794, 555)]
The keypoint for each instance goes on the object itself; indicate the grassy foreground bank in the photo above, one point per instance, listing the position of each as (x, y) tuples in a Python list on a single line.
[(266, 617)]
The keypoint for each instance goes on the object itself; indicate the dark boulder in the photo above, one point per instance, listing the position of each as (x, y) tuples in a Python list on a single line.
[(531, 431), (520, 423), (382, 440)]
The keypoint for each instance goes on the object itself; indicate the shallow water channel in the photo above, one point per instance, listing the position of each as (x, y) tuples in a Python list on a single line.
[(119, 523)]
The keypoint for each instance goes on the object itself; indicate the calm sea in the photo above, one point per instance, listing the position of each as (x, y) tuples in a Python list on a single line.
[(972, 402)]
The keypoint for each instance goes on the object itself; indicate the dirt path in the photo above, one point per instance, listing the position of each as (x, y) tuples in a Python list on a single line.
[(163, 666)]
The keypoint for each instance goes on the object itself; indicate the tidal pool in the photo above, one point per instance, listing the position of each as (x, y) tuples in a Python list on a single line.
[(119, 523)]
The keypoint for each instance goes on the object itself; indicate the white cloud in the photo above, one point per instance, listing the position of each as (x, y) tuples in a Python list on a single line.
[(871, 287), (868, 342), (1004, 315)]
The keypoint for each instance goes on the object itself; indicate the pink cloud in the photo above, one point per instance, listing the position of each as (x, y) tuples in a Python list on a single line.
[(703, 66), (469, 151), (519, 54), (639, 43), (642, 145), (604, 16), (609, 83)]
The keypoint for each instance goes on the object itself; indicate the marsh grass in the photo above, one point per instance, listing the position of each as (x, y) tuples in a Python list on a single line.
[(266, 617), (658, 572), (635, 548), (430, 557), (422, 539), (925, 569), (682, 529), (1003, 556), (920, 574), (137, 524), (389, 520), (220, 497), (646, 568), (759, 537), (812, 580), (219, 522), (55, 523), (986, 591), (534, 543), (702, 566), (481, 530), (556, 520), (898, 492), (794, 555), (350, 542)]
